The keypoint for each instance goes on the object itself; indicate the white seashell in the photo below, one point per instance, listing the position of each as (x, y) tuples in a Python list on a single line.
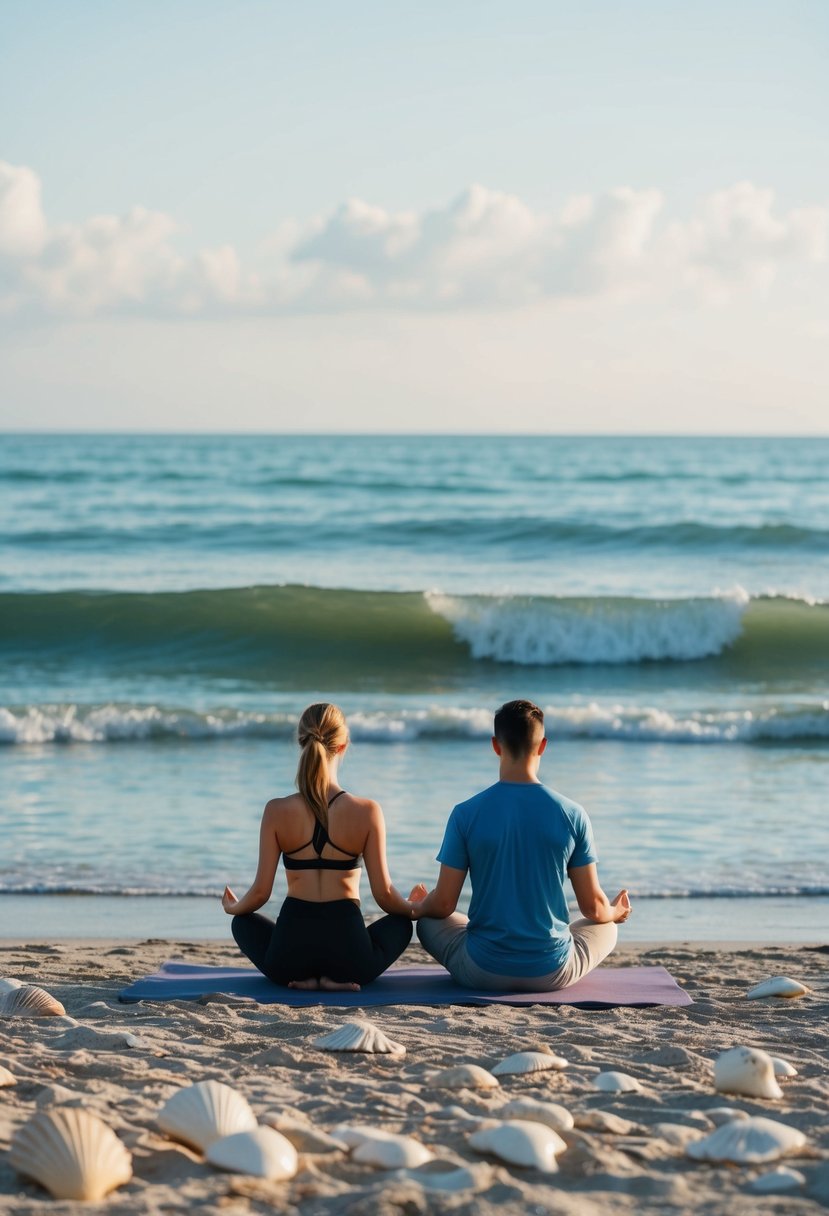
[(358, 1036), (441, 1175), (6, 1077), (72, 1154), (746, 1070), (778, 985), (520, 1143), (782, 1068), (464, 1076), (527, 1061), (390, 1152), (725, 1114), (261, 1151), (28, 1001), (204, 1112), (9, 985), (747, 1142), (549, 1113), (616, 1083), (777, 1180)]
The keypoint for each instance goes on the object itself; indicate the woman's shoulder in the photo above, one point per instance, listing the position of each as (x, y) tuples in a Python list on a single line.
[(289, 803), (355, 804)]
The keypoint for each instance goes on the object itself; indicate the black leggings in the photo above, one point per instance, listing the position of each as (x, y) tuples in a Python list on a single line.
[(310, 940)]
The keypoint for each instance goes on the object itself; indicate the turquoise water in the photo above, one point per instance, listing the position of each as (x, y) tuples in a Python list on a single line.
[(169, 605)]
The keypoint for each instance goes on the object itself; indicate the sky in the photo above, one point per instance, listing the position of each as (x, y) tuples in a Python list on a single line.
[(541, 217)]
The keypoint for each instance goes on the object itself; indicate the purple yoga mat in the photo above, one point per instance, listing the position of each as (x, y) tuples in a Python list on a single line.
[(601, 989)]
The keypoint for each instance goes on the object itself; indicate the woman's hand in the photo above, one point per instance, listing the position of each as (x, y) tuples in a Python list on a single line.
[(229, 902), (621, 905), (418, 893)]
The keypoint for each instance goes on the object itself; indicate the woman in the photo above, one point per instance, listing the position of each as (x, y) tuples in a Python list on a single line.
[(320, 939)]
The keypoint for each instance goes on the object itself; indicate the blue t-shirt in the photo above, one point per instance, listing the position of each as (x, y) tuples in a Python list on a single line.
[(518, 839)]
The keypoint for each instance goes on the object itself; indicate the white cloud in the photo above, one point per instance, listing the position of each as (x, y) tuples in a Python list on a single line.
[(484, 249)]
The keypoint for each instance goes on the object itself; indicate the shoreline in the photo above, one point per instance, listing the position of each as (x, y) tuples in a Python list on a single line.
[(630, 1160), (786, 919)]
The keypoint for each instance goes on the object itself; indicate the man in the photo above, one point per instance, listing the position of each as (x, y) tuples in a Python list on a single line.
[(519, 840)]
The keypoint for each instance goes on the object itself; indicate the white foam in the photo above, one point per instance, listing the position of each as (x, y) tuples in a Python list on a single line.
[(528, 630), (631, 723)]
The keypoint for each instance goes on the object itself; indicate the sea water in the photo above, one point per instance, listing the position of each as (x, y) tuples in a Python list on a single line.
[(168, 605)]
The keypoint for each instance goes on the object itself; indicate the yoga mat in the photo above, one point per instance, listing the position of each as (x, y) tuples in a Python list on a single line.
[(604, 988)]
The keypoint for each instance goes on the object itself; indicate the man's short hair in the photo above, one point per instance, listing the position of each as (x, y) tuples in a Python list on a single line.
[(519, 725)]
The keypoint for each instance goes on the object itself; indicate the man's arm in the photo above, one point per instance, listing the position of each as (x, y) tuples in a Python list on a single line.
[(443, 900), (592, 901)]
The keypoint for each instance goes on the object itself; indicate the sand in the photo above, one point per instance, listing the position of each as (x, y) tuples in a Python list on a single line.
[(123, 1061)]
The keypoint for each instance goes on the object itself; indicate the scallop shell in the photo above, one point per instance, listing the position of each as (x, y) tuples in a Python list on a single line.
[(464, 1076), (28, 1001), (616, 1083), (746, 1070), (528, 1061), (747, 1142), (260, 1151), (778, 985), (373, 1146), (358, 1036), (782, 1068), (778, 1180), (72, 1154), (520, 1143), (549, 1113), (6, 1077), (9, 985), (604, 1121), (204, 1112)]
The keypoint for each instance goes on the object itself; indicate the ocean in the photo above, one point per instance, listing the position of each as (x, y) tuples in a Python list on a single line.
[(169, 604)]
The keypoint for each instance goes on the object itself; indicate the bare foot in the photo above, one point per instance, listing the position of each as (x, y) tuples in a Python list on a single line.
[(307, 985), (328, 985)]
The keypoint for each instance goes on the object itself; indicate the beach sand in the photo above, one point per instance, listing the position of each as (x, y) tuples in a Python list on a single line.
[(640, 1166)]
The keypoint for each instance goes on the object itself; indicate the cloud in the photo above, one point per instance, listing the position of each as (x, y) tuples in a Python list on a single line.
[(485, 249)]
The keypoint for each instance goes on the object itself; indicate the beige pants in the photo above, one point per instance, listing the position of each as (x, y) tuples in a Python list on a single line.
[(445, 940)]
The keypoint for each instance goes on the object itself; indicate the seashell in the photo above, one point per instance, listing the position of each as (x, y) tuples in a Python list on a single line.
[(527, 1061), (616, 1083), (358, 1036), (778, 985), (549, 1113), (520, 1143), (464, 1076), (304, 1138), (9, 985), (443, 1175), (6, 1077), (204, 1112), (725, 1114), (373, 1146), (604, 1121), (746, 1070), (777, 1180), (28, 1001), (261, 1151), (73, 1154), (747, 1142), (782, 1068)]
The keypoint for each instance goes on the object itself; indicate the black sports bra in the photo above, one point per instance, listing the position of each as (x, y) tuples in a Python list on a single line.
[(319, 840)]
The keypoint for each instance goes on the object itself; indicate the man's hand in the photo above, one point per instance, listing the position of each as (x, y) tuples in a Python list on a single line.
[(229, 901), (621, 905), (418, 893)]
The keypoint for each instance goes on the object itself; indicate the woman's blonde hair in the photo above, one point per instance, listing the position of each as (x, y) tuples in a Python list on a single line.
[(321, 733)]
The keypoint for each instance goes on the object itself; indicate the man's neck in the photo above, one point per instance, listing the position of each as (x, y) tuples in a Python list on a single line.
[(521, 772)]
